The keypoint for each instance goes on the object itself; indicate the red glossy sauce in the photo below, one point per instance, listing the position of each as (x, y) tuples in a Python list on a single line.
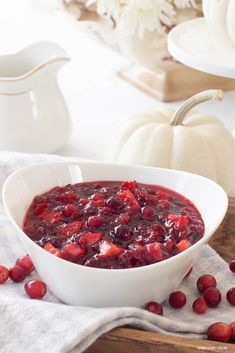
[(113, 224)]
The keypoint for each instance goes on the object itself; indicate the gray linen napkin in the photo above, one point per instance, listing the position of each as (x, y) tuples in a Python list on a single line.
[(48, 326)]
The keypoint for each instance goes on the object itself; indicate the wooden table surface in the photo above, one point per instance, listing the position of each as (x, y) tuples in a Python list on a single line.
[(127, 340)]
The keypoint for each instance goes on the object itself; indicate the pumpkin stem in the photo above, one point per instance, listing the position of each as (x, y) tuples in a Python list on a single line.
[(190, 103)]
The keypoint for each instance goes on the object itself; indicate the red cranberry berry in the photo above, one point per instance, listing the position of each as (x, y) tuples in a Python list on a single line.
[(199, 306), (177, 299), (17, 273), (219, 331), (35, 289), (232, 266), (123, 218), (212, 296), (4, 274), (148, 213), (95, 221), (154, 307), (105, 211), (68, 196), (232, 326), (83, 202), (122, 232), (26, 263), (205, 282), (231, 296), (114, 203), (97, 197), (69, 210)]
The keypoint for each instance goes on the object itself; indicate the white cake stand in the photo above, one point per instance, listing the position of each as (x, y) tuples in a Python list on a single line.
[(192, 44)]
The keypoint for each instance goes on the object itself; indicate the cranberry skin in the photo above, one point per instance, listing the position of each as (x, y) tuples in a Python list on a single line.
[(122, 232), (17, 273), (177, 299), (219, 331), (232, 326), (35, 289), (154, 308), (97, 197), (95, 221), (69, 210), (123, 218), (148, 213), (231, 296), (212, 297), (205, 282), (232, 266), (4, 274), (114, 203), (26, 263), (199, 306), (105, 211), (68, 196)]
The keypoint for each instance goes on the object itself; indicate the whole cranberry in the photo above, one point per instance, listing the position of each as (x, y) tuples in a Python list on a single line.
[(212, 296), (123, 218), (4, 274), (69, 210), (89, 209), (35, 289), (219, 331), (17, 273), (154, 307), (177, 299), (97, 196), (122, 232), (232, 326), (205, 282), (26, 263), (114, 203), (68, 196), (199, 306), (148, 213), (231, 296), (105, 211), (232, 266), (95, 221), (83, 202)]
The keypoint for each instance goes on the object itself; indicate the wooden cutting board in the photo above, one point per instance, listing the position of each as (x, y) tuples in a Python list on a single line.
[(126, 340)]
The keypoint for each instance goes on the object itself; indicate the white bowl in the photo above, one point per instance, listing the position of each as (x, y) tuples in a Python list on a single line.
[(80, 285)]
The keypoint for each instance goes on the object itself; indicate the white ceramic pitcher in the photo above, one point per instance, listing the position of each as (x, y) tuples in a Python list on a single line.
[(33, 113)]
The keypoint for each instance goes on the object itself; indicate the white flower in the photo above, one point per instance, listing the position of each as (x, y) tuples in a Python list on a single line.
[(111, 8), (181, 4), (138, 16)]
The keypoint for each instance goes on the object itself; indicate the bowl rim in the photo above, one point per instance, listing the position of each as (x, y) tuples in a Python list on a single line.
[(159, 264)]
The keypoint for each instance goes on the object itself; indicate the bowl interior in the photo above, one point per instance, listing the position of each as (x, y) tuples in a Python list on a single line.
[(24, 184)]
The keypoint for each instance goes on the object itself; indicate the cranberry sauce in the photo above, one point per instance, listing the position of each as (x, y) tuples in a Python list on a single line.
[(113, 224)]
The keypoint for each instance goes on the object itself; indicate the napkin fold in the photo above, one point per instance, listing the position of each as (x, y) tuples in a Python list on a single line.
[(49, 326)]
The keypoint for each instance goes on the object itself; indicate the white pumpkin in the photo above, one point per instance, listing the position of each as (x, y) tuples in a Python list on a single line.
[(220, 17), (180, 139)]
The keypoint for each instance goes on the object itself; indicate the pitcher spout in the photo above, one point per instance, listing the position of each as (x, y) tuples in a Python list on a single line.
[(17, 69), (45, 53)]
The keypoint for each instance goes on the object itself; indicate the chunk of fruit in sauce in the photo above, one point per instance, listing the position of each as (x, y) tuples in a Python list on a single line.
[(113, 224)]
